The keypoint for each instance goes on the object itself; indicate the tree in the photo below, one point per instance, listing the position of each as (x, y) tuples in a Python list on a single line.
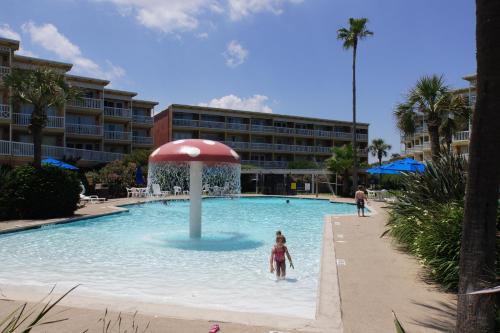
[(433, 99), (340, 163), (452, 123), (351, 36), (476, 313), (379, 149), (43, 88)]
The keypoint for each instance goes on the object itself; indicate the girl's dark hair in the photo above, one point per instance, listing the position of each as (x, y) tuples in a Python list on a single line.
[(280, 237), (278, 233)]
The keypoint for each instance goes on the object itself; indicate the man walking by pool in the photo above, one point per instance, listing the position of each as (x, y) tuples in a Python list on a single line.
[(360, 198)]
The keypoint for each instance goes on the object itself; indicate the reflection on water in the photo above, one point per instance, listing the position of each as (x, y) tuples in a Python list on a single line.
[(223, 241)]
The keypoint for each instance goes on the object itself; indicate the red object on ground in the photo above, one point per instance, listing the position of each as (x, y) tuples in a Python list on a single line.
[(214, 329), (195, 150)]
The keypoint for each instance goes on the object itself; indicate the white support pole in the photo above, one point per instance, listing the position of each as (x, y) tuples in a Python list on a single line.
[(195, 185)]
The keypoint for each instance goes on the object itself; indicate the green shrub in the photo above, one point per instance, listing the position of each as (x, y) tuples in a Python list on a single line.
[(47, 192), (117, 175), (427, 219)]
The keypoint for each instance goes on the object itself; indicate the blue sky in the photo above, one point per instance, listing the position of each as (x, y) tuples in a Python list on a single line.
[(277, 56)]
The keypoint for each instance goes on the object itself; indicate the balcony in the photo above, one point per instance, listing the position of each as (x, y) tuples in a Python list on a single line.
[(4, 111), (22, 119), (142, 119), (262, 146), (461, 136), (22, 149), (87, 130), (267, 164), (142, 140), (262, 128), (284, 130), (324, 134), (212, 124), (237, 126), (4, 71), (185, 122), (117, 136), (87, 103), (238, 145), (306, 132), (117, 112)]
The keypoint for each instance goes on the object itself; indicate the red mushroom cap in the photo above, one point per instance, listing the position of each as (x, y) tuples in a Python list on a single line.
[(195, 150)]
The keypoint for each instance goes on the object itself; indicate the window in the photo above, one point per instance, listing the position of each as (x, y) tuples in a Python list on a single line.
[(182, 135)]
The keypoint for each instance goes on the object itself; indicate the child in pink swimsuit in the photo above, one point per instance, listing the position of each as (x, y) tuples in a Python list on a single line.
[(278, 257)]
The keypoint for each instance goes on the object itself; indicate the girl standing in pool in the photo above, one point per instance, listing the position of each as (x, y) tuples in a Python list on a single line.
[(278, 257)]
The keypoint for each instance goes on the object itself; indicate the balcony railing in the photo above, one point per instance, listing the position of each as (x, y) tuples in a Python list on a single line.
[(22, 149), (117, 136), (142, 119), (238, 145), (25, 119), (87, 103), (4, 111), (185, 122), (4, 71), (142, 140), (117, 112), (267, 164), (262, 146), (237, 126), (212, 124), (81, 129), (266, 129), (461, 136)]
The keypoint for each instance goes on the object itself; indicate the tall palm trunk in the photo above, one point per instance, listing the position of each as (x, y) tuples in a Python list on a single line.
[(354, 139), (433, 129), (476, 313), (36, 131)]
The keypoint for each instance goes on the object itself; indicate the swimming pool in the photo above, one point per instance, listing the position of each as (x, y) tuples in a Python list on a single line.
[(145, 255)]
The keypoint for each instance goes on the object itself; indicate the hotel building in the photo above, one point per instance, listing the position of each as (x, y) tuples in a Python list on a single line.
[(101, 126), (264, 140), (418, 144)]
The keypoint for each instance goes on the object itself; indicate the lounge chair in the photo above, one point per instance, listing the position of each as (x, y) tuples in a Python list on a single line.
[(91, 198), (132, 192), (157, 192)]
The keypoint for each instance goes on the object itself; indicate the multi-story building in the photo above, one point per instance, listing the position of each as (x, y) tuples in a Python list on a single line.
[(99, 127), (264, 140), (418, 144)]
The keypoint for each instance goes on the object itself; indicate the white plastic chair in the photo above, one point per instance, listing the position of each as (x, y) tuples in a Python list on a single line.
[(205, 190), (157, 192), (177, 190)]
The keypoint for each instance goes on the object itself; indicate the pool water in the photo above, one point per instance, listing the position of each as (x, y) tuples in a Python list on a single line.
[(145, 255)]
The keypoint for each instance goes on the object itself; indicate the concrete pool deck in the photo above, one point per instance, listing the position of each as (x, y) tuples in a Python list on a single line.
[(372, 278)]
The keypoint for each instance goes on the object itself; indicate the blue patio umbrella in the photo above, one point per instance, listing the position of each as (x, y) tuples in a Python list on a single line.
[(139, 178), (381, 171), (405, 165), (59, 164)]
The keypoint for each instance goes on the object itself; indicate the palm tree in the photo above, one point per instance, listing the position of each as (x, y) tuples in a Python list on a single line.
[(476, 313), (379, 149), (43, 88), (432, 99), (340, 163), (452, 123), (351, 36)]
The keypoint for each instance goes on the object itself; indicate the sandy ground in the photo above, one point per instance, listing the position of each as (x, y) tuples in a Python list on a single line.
[(374, 278)]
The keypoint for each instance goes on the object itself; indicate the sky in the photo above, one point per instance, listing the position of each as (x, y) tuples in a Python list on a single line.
[(278, 56)]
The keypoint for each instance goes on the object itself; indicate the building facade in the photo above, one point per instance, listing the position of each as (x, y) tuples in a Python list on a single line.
[(263, 140), (101, 126), (417, 145)]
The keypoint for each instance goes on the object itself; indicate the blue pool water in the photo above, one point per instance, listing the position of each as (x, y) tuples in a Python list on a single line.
[(146, 255)]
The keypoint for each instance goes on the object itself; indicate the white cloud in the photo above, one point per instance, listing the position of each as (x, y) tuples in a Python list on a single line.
[(170, 16), (48, 37), (167, 15), (254, 103), (202, 35), (235, 54), (7, 32), (241, 8)]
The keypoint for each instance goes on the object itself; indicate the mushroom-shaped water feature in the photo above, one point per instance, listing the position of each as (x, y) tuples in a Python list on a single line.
[(201, 163)]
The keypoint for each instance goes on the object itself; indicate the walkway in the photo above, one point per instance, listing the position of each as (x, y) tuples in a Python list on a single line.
[(376, 278)]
